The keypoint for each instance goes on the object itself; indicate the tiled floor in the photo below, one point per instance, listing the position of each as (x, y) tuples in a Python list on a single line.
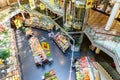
[(61, 63)]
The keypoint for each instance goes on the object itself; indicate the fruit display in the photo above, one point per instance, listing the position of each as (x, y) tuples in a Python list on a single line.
[(50, 75), (8, 55), (61, 41), (85, 69), (38, 53)]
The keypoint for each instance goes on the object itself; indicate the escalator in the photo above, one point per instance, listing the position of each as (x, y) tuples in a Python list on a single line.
[(108, 68)]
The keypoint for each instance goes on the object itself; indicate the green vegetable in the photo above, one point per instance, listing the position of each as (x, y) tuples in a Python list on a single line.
[(48, 54), (55, 78), (47, 74), (5, 53), (5, 41), (5, 32)]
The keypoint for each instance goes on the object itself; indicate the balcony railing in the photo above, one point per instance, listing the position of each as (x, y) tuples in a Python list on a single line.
[(107, 43), (54, 8)]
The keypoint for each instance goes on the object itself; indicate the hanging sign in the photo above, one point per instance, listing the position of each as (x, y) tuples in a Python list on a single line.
[(18, 23), (21, 8), (88, 4), (42, 7), (52, 2), (45, 46), (32, 4), (1, 61)]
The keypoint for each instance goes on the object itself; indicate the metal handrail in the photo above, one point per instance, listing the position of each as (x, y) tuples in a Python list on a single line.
[(114, 56)]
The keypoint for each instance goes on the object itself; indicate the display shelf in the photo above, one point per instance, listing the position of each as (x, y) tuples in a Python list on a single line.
[(50, 75), (13, 69), (8, 13), (41, 23), (13, 59), (61, 41), (38, 53), (86, 69)]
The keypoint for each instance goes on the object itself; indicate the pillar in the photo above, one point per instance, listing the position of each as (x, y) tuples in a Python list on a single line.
[(97, 51), (112, 16), (8, 2), (64, 13)]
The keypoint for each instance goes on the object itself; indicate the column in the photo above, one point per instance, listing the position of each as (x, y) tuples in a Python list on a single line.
[(97, 51), (112, 16), (8, 2), (64, 13)]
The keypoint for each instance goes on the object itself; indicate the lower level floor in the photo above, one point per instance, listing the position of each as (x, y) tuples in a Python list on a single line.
[(61, 61)]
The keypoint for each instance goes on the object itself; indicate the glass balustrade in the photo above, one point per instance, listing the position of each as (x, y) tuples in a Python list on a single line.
[(111, 43), (53, 5)]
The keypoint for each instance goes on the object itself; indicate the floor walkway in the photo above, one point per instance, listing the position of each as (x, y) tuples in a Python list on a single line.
[(98, 22), (61, 63)]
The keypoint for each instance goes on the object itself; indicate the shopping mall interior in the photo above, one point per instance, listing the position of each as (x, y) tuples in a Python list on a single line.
[(59, 39)]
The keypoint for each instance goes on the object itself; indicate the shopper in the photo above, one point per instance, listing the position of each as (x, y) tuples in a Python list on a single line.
[(51, 34)]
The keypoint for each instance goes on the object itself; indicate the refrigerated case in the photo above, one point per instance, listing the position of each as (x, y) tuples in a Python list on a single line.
[(10, 67), (86, 69)]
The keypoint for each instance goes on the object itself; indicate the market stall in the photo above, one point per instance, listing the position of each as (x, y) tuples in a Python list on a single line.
[(86, 69), (50, 75), (61, 41), (38, 53), (8, 55)]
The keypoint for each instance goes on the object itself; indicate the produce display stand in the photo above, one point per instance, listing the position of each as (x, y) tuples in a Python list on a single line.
[(33, 21), (40, 22), (13, 69), (50, 75), (38, 53), (8, 13), (61, 41), (86, 69)]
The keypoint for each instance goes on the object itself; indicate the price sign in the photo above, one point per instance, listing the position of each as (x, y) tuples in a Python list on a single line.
[(32, 4), (21, 8), (88, 4), (18, 23), (42, 7)]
